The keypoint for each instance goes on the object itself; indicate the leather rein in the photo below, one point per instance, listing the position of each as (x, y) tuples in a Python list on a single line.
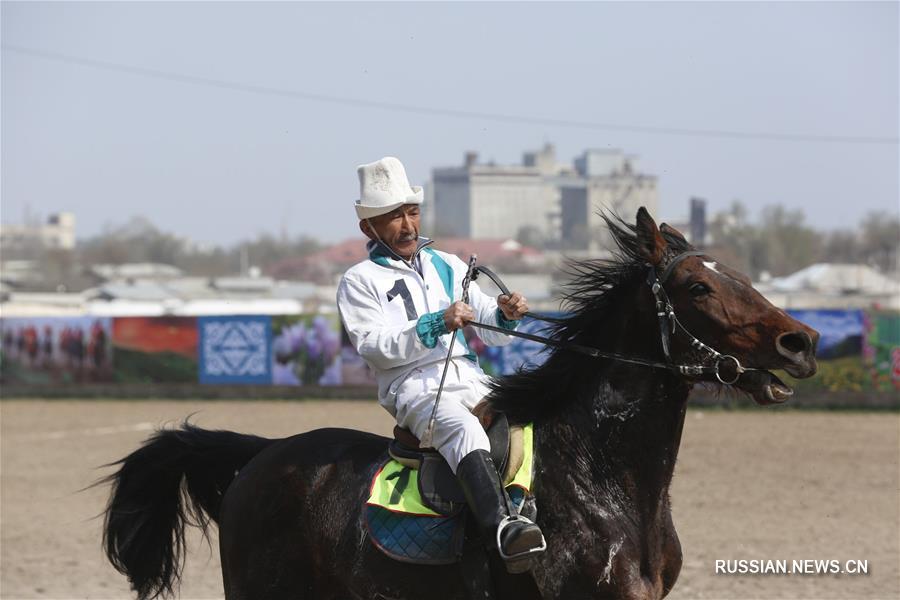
[(668, 326)]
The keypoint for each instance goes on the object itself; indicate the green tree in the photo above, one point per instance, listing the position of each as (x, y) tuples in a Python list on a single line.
[(843, 246), (529, 235), (733, 237), (881, 240), (784, 244), (138, 240)]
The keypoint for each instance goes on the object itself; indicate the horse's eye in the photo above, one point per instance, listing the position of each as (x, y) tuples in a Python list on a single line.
[(698, 289)]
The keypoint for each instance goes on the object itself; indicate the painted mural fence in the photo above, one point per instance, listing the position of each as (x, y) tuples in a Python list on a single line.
[(154, 349), (45, 350), (859, 351), (235, 350), (306, 350)]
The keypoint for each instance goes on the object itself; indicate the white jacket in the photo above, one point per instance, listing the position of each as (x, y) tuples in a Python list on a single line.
[(393, 312)]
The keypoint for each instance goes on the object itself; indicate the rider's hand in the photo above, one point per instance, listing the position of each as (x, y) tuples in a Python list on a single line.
[(458, 315), (513, 307)]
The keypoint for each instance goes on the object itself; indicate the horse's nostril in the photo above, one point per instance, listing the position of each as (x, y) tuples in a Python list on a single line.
[(794, 343)]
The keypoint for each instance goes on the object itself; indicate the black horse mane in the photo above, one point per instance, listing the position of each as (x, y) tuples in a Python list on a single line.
[(590, 298)]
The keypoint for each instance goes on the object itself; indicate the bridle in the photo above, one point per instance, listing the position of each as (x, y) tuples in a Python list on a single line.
[(669, 325)]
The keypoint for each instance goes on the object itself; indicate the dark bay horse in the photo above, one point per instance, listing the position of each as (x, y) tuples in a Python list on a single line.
[(607, 434)]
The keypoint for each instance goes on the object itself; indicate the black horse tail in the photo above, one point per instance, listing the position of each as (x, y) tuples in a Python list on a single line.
[(177, 477)]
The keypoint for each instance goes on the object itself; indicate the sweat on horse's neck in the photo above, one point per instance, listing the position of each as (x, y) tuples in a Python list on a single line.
[(605, 478), (629, 429), (622, 422)]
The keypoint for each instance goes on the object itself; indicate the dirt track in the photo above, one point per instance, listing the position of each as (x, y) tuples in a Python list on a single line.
[(754, 484)]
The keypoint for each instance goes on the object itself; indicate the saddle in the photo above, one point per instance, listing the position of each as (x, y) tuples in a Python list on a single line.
[(416, 511), (437, 484)]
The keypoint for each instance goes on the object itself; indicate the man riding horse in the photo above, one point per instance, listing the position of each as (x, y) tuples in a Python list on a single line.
[(400, 312)]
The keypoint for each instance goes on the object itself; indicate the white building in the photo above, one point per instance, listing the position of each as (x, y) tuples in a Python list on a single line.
[(604, 182), (830, 285), (58, 232), (540, 197), (487, 201), (183, 296)]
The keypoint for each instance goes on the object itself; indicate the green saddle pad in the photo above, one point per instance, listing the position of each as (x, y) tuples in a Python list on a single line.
[(395, 487)]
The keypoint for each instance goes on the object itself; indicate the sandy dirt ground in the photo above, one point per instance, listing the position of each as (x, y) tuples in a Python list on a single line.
[(754, 484)]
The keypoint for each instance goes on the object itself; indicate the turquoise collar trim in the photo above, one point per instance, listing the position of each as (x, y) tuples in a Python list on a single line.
[(444, 271)]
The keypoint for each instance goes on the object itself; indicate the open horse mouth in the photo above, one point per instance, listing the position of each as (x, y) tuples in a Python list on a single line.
[(797, 349), (765, 387)]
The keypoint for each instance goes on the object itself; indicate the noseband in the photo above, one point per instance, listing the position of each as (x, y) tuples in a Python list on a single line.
[(669, 325)]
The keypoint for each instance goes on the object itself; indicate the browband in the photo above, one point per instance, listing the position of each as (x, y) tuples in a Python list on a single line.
[(676, 260)]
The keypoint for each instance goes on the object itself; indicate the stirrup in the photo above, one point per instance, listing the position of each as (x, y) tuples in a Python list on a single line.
[(519, 556)]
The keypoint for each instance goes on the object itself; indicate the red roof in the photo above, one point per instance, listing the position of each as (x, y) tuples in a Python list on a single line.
[(488, 251), (349, 252)]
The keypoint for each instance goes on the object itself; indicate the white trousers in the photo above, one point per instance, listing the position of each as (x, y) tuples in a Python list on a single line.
[(456, 430)]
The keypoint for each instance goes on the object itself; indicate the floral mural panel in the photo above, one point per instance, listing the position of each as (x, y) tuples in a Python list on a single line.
[(881, 349), (519, 353), (306, 350), (354, 370)]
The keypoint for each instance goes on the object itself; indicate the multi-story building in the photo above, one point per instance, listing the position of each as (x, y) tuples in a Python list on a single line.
[(58, 232), (540, 199), (604, 182), (488, 201)]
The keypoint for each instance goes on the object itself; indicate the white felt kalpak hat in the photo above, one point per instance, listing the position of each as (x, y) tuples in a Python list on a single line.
[(383, 186)]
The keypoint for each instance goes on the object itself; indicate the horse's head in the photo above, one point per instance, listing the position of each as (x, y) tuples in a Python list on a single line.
[(719, 306)]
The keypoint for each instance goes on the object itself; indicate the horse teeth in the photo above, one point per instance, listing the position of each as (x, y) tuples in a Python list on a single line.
[(777, 393)]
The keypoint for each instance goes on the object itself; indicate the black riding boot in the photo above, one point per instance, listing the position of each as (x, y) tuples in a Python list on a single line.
[(520, 539)]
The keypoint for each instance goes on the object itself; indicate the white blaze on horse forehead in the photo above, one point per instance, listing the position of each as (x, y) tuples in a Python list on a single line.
[(714, 267), (711, 265)]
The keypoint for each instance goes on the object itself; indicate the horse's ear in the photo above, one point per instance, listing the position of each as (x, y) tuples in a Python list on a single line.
[(669, 230), (650, 241)]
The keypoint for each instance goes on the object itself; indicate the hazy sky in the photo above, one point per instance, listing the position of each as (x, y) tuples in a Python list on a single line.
[(199, 116)]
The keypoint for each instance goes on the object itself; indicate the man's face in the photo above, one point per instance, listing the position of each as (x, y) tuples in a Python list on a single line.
[(399, 229)]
